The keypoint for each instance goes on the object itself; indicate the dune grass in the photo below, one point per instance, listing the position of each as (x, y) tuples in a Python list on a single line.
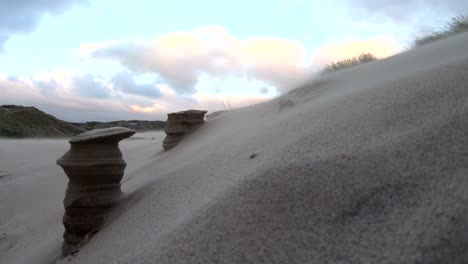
[(346, 63), (19, 122), (456, 25)]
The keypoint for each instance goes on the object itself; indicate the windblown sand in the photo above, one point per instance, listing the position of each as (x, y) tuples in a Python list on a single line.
[(367, 165), (32, 189)]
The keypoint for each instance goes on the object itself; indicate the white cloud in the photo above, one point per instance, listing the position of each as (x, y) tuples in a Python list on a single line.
[(65, 100), (381, 47), (91, 86), (405, 11), (201, 69), (180, 58), (155, 108), (123, 81), (62, 77)]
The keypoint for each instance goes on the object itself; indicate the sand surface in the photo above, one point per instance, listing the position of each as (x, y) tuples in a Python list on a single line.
[(367, 165), (32, 188)]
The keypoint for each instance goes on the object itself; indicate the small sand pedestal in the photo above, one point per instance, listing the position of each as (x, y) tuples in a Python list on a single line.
[(180, 124), (94, 166)]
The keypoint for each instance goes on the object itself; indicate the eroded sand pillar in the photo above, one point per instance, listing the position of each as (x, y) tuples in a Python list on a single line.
[(180, 124), (94, 166)]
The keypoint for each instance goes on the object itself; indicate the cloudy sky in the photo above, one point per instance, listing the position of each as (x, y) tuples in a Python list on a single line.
[(83, 60)]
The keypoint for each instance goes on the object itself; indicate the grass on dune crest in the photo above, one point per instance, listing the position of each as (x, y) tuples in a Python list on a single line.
[(457, 25), (346, 63)]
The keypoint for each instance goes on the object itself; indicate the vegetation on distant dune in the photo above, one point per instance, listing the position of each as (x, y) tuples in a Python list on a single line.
[(456, 25), (20, 121), (343, 64), (139, 125)]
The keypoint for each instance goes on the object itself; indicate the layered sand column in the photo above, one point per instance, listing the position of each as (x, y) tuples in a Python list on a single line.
[(180, 124), (94, 166)]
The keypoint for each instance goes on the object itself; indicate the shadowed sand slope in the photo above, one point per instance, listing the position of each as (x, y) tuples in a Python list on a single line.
[(365, 165)]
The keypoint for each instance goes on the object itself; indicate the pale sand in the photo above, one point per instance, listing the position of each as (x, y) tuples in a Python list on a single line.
[(32, 188), (367, 165)]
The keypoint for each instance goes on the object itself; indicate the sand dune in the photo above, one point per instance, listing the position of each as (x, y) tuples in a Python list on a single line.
[(367, 165)]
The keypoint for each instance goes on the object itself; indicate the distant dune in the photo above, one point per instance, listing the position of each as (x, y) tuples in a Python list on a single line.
[(138, 125), (20, 121)]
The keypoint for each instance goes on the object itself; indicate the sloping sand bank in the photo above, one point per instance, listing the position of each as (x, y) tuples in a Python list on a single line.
[(367, 165)]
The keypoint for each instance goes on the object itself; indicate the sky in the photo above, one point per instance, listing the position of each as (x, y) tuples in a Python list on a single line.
[(103, 60)]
